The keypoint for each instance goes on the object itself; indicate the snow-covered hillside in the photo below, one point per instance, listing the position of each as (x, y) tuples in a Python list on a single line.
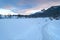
[(29, 29)]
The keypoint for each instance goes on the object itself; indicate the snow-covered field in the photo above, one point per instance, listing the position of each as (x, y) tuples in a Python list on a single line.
[(29, 29)]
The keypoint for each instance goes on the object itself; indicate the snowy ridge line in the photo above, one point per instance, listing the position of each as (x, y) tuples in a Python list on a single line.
[(52, 13)]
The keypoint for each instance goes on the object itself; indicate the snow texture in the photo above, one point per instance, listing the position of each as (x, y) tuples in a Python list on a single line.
[(29, 29)]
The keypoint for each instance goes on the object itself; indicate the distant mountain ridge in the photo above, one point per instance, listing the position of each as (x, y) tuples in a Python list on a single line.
[(52, 12)]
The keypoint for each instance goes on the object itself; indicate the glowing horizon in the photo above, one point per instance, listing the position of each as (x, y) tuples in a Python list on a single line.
[(26, 7)]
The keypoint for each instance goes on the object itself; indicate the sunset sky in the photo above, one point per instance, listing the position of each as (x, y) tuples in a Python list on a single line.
[(26, 7)]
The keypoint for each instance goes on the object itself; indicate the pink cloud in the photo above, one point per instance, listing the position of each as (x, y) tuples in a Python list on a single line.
[(35, 9), (38, 8), (8, 7)]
